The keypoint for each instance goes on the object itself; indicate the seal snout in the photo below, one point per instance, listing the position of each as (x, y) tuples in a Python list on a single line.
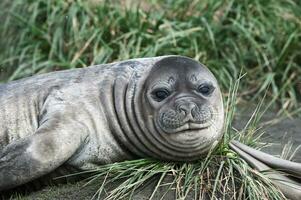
[(186, 115)]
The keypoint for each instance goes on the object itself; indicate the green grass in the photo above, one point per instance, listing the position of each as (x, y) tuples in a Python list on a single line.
[(261, 36)]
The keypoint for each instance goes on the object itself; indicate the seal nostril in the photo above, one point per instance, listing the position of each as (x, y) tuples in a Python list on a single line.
[(187, 108), (192, 106), (182, 109)]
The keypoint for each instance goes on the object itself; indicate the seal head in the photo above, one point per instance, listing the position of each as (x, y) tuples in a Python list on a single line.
[(179, 109)]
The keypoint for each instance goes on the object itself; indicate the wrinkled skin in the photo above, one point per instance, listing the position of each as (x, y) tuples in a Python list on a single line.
[(167, 108), (284, 174)]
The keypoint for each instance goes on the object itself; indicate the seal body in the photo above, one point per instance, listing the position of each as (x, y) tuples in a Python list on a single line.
[(167, 108)]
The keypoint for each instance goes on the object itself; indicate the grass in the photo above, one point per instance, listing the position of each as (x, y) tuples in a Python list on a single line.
[(222, 174), (261, 36)]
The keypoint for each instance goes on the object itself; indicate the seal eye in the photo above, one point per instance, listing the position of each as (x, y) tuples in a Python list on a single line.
[(160, 94), (205, 89)]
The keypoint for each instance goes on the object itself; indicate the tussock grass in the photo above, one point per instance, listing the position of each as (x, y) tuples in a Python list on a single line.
[(261, 36), (222, 174)]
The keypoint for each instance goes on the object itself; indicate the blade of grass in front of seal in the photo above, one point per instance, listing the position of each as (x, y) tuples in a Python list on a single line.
[(230, 108), (101, 188), (217, 180), (158, 185), (249, 134), (288, 151), (253, 184), (137, 179)]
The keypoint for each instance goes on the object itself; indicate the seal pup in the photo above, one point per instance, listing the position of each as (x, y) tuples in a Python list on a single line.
[(167, 108)]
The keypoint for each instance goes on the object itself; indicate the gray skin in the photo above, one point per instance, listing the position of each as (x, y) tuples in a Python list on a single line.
[(284, 174), (167, 108)]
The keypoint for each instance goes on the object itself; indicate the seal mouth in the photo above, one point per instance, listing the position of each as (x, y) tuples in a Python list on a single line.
[(190, 126)]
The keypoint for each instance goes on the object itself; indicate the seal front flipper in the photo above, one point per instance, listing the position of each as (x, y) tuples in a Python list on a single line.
[(32, 157), (291, 188)]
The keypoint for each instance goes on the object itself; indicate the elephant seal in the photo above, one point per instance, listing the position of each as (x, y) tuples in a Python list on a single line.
[(168, 108)]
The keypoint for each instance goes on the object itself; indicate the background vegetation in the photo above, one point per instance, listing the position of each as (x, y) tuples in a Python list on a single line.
[(260, 37)]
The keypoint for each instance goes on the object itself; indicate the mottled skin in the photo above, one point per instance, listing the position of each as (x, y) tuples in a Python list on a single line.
[(167, 108)]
